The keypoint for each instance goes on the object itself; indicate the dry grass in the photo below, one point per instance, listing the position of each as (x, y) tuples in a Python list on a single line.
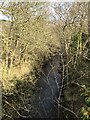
[(18, 72)]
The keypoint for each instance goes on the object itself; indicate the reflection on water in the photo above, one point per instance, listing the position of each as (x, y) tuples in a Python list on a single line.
[(43, 102)]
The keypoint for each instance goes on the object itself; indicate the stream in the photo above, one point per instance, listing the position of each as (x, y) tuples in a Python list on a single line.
[(44, 101)]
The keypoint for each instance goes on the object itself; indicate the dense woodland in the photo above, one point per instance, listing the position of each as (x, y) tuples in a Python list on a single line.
[(34, 33)]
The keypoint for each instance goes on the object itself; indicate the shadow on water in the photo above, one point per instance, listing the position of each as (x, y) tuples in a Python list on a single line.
[(43, 102)]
